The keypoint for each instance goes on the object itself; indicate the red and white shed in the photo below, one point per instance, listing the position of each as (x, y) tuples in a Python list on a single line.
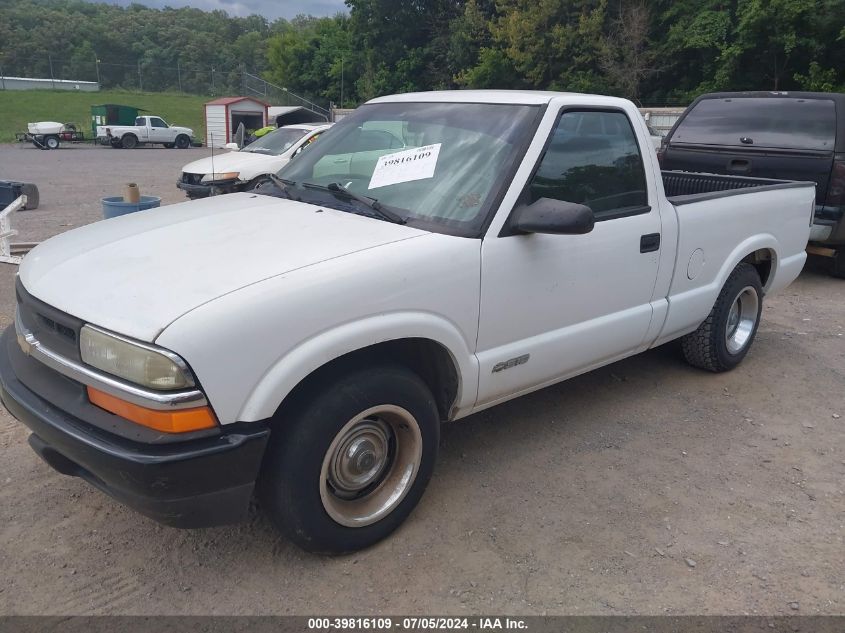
[(222, 117)]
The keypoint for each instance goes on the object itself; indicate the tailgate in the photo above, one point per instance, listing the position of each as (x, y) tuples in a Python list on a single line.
[(804, 165)]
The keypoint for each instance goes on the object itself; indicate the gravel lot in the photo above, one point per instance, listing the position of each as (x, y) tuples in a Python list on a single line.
[(72, 180), (646, 487)]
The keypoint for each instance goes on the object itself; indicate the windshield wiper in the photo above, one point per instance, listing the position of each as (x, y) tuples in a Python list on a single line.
[(372, 203), (281, 185)]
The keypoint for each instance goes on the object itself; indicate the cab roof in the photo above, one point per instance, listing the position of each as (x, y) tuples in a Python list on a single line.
[(519, 97)]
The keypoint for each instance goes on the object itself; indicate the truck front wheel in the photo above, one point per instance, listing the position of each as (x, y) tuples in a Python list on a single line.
[(350, 460), (182, 142), (724, 338)]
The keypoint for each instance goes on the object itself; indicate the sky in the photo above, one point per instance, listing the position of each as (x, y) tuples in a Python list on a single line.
[(270, 9)]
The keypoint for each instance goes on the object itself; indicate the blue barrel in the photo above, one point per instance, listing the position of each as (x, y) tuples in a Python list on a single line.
[(114, 206)]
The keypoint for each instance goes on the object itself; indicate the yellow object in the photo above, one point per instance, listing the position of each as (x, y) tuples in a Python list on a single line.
[(264, 130)]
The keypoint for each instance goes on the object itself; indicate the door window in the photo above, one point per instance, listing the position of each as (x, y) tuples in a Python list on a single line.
[(593, 159), (156, 122)]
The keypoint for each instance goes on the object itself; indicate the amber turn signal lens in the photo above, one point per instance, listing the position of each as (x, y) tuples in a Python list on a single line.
[(176, 421)]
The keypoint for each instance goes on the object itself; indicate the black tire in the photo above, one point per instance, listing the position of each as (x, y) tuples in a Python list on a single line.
[(838, 267), (709, 346), (51, 142), (32, 197), (182, 142), (292, 484), (169, 145), (129, 141), (257, 183)]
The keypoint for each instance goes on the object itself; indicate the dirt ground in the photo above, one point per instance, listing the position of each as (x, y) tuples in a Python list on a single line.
[(646, 487)]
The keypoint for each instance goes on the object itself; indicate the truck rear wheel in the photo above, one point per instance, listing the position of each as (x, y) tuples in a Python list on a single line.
[(838, 267), (724, 338), (129, 141), (350, 461)]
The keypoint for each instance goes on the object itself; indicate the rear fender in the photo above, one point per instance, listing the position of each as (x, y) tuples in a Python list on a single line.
[(688, 309)]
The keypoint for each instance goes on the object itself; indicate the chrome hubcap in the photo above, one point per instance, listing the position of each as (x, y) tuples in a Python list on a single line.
[(370, 465), (360, 458), (742, 318)]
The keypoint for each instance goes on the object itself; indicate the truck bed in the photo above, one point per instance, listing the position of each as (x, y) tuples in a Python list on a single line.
[(684, 187)]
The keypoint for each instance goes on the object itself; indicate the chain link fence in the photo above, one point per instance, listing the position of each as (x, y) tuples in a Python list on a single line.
[(140, 75), (254, 86), (214, 81)]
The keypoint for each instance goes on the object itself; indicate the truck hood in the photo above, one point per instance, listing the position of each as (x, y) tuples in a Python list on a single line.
[(138, 273), (247, 162)]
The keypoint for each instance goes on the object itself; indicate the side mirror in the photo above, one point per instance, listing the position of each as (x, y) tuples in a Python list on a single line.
[(232, 146), (547, 215)]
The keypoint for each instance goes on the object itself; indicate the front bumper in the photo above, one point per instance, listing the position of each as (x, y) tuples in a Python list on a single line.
[(200, 482), (203, 190), (194, 191)]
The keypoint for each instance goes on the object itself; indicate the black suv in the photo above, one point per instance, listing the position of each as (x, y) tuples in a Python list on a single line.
[(783, 135)]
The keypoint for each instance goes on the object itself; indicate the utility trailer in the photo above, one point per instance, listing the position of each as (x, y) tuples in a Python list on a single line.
[(50, 134)]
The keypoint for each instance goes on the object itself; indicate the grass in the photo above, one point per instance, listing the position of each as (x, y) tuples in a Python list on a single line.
[(19, 107)]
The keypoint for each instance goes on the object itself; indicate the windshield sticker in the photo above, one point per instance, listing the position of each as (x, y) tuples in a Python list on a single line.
[(405, 166)]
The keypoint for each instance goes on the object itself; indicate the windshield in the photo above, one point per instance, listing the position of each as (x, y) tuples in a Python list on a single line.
[(276, 142), (786, 122), (437, 165)]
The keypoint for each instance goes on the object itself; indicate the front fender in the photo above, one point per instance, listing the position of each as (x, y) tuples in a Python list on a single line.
[(315, 352), (250, 347)]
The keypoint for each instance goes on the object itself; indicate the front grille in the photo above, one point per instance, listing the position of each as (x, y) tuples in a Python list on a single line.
[(57, 328), (58, 331), (191, 179)]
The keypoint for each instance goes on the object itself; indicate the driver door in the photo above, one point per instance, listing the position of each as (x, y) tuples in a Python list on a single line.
[(159, 131), (553, 306)]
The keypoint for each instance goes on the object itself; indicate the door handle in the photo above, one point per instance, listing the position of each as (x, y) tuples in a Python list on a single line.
[(650, 243), (740, 165)]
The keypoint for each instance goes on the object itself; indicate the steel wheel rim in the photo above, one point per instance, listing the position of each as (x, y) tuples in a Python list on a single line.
[(742, 318), (370, 465)]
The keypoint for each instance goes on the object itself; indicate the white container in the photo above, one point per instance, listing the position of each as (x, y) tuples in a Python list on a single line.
[(45, 127)]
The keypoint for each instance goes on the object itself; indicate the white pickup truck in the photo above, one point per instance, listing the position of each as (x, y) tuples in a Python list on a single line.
[(147, 130), (431, 256)]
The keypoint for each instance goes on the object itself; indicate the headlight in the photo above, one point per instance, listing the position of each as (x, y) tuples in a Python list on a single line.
[(226, 175), (135, 362)]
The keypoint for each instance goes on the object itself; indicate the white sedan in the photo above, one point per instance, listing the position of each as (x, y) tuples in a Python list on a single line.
[(241, 169)]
